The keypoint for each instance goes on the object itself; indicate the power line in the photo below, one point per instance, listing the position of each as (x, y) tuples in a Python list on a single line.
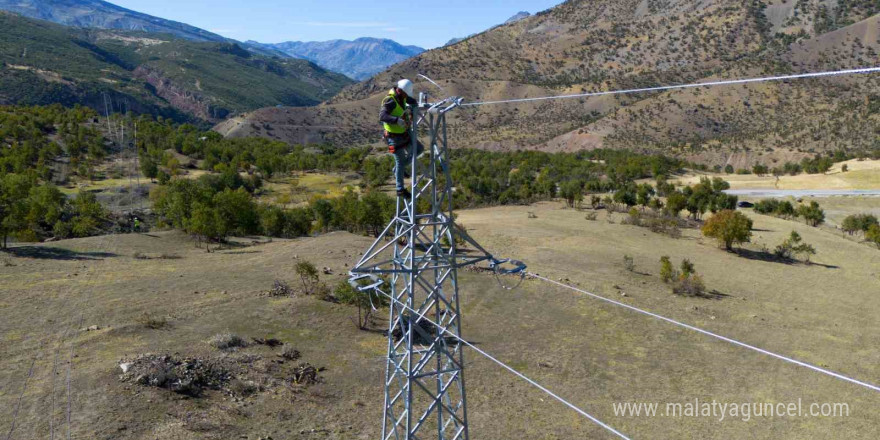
[(507, 367), (685, 86), (715, 335)]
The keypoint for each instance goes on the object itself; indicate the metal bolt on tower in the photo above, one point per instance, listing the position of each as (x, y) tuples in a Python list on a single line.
[(424, 382)]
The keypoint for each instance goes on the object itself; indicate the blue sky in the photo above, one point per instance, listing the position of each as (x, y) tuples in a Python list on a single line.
[(423, 23)]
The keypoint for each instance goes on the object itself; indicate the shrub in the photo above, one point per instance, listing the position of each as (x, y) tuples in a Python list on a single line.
[(729, 228), (242, 388), (308, 275), (572, 192), (812, 214), (290, 353), (280, 288), (227, 341), (152, 322), (629, 263), (591, 216), (691, 286), (873, 235), (858, 222), (687, 268), (667, 272), (346, 294), (794, 246)]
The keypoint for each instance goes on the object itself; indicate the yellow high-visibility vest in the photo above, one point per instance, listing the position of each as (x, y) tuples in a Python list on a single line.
[(398, 112)]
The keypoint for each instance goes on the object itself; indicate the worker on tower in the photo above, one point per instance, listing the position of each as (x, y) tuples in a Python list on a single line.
[(396, 117)]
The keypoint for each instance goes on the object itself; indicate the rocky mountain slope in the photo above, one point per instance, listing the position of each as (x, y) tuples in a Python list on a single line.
[(42, 63), (358, 59), (517, 17), (585, 45), (104, 15)]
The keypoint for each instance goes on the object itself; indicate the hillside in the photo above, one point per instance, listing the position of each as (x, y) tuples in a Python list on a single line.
[(44, 63), (358, 59), (104, 15), (160, 293), (581, 46)]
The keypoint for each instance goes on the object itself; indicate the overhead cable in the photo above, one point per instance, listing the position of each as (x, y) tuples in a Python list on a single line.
[(685, 86), (507, 367), (715, 335)]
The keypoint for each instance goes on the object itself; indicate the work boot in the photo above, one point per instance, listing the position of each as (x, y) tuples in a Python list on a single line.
[(404, 193)]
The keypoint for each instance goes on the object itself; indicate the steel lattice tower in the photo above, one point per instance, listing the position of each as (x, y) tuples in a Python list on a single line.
[(424, 381)]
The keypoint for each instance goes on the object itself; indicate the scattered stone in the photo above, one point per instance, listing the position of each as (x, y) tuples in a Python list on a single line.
[(623, 294), (124, 366), (328, 271), (92, 328)]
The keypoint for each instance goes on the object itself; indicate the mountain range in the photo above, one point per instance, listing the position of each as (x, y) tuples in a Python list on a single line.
[(358, 59), (159, 73), (104, 15), (599, 45)]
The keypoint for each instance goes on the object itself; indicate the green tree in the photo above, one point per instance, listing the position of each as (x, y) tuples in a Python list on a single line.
[(675, 203), (873, 235), (667, 271), (858, 223), (206, 224), (644, 195), (237, 211), (729, 228), (812, 213), (376, 212), (308, 275), (795, 246), (88, 214), (149, 167), (377, 172), (572, 192)]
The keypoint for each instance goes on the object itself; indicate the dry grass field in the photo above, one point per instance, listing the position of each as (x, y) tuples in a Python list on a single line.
[(590, 352), (860, 175)]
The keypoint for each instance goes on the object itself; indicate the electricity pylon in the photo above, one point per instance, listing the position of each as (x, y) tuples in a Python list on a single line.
[(417, 269)]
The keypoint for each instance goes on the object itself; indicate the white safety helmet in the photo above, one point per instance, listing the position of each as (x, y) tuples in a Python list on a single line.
[(406, 85)]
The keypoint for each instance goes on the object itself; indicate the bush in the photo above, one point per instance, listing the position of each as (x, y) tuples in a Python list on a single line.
[(667, 271), (873, 235), (227, 341), (812, 214), (858, 223), (690, 286), (290, 353), (729, 228), (629, 263), (794, 246), (152, 322), (687, 268), (308, 275)]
